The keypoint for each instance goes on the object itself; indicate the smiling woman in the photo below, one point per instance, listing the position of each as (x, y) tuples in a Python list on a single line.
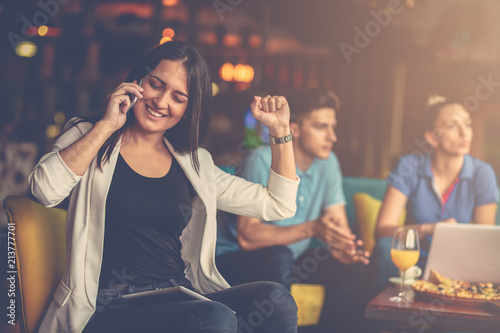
[(165, 98), (142, 211)]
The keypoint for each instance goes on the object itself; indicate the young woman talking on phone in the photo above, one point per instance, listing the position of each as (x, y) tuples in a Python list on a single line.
[(143, 201)]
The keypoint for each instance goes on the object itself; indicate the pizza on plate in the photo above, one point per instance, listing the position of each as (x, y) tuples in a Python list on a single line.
[(441, 285)]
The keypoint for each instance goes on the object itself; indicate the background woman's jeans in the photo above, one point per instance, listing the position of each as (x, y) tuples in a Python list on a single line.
[(258, 307)]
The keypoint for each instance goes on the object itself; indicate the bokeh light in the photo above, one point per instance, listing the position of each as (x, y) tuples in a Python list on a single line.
[(215, 89), (26, 49), (165, 39), (170, 3), (59, 118), (255, 41), (42, 30), (226, 72), (168, 32), (231, 40), (52, 131)]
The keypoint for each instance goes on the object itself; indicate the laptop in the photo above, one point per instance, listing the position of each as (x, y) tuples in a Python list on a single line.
[(467, 252)]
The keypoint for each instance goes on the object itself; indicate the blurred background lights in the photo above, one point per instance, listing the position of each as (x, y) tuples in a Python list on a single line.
[(226, 72), (52, 131), (243, 73), (59, 118), (165, 39), (215, 89), (255, 41), (168, 32), (231, 40), (170, 3), (42, 30), (208, 38), (26, 49), (240, 73)]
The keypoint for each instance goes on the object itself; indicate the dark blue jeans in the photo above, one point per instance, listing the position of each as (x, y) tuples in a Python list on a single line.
[(343, 310), (253, 307)]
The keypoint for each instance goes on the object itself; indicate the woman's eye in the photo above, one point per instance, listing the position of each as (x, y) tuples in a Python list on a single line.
[(178, 100), (154, 85)]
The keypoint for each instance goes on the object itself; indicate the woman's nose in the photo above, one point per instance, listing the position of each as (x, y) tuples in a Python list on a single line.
[(161, 100)]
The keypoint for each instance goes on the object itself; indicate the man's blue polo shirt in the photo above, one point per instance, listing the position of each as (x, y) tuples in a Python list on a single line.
[(320, 187), (476, 186)]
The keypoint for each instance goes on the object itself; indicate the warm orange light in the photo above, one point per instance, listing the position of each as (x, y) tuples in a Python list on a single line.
[(255, 41), (170, 3), (250, 73), (231, 40), (42, 30), (226, 72), (168, 32), (207, 38), (243, 73), (240, 73), (165, 39)]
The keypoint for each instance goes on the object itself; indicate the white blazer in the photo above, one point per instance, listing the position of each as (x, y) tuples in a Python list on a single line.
[(51, 181)]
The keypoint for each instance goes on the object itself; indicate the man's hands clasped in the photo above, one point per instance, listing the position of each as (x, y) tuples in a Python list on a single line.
[(343, 244)]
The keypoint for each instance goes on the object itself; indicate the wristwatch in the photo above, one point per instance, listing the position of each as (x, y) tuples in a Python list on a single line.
[(281, 139)]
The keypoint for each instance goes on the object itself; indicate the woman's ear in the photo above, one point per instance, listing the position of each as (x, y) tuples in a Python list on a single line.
[(432, 138)]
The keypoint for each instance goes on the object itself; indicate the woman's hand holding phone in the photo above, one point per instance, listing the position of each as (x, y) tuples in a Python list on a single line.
[(120, 102)]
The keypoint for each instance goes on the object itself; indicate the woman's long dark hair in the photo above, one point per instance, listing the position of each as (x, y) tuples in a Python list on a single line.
[(189, 132)]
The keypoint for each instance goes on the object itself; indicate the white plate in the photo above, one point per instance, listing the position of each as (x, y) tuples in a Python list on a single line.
[(397, 280)]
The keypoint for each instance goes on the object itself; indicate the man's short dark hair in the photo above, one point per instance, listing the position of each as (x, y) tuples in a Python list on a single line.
[(307, 100)]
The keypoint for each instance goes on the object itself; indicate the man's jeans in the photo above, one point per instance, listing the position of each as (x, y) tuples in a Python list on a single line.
[(344, 303)]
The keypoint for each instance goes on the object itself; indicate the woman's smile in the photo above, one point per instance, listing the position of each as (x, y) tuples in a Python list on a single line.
[(154, 113)]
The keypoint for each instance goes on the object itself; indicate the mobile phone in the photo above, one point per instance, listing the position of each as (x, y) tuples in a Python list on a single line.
[(134, 97)]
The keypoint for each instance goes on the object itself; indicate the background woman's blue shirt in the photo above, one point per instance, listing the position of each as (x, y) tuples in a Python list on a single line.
[(476, 186)]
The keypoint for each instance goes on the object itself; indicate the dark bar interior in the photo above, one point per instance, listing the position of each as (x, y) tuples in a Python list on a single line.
[(384, 59)]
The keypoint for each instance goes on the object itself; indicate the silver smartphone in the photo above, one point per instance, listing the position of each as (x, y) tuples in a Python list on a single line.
[(134, 97)]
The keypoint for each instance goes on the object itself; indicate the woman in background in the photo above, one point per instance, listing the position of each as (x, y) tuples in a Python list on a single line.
[(143, 202), (447, 185)]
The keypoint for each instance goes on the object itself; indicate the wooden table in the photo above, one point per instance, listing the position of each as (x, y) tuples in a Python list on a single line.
[(424, 314)]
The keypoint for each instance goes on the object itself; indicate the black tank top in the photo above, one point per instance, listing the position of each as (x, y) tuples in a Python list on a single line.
[(144, 220)]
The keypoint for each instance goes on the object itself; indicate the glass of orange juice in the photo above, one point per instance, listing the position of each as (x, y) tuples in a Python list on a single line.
[(405, 251)]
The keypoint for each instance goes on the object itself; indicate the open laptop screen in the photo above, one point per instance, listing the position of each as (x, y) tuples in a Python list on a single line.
[(467, 252)]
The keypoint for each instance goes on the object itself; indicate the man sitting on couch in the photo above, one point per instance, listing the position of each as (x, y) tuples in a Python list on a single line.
[(252, 250)]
